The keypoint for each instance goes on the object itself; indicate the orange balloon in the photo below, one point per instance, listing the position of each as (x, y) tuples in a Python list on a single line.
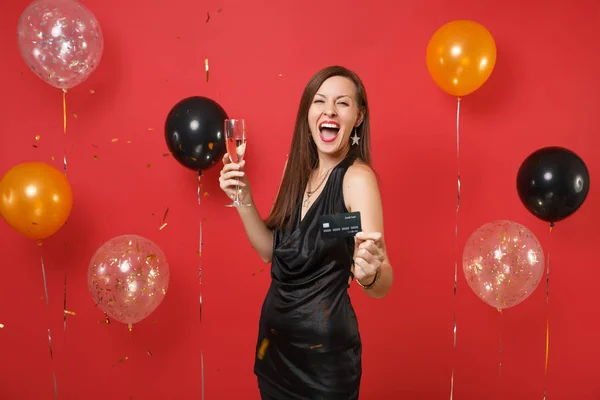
[(461, 56), (35, 199)]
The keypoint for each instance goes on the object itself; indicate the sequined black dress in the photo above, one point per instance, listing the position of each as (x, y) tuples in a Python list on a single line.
[(309, 347)]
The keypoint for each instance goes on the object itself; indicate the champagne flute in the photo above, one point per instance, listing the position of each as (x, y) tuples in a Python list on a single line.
[(235, 141)]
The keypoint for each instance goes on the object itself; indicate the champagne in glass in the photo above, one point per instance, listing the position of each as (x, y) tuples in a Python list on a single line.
[(235, 141)]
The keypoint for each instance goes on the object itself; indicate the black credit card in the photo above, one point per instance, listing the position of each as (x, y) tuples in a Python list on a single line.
[(340, 225)]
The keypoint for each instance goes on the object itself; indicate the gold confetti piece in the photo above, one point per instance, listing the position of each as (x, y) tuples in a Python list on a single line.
[(205, 194), (74, 115), (69, 312), (206, 67), (115, 140), (149, 353), (263, 349), (150, 129), (106, 320), (1, 326), (120, 361), (40, 242), (92, 91), (95, 157), (150, 257), (37, 137), (129, 142), (316, 346), (199, 253), (162, 226), (211, 145), (280, 75), (52, 158), (34, 146)]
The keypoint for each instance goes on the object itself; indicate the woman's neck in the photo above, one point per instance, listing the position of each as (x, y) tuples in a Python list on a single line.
[(328, 161)]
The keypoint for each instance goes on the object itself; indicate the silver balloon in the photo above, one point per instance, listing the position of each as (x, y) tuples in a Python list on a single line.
[(61, 41)]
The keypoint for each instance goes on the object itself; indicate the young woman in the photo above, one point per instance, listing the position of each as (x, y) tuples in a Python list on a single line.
[(309, 346)]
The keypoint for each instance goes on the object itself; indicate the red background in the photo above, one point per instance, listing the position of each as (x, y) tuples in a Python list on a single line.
[(544, 91)]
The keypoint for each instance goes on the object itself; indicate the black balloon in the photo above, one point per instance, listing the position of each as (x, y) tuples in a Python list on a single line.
[(194, 131), (553, 182)]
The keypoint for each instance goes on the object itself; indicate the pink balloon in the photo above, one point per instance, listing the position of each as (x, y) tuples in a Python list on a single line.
[(128, 278), (61, 41), (503, 263)]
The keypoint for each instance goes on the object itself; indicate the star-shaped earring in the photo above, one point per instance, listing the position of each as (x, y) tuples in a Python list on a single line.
[(355, 138)]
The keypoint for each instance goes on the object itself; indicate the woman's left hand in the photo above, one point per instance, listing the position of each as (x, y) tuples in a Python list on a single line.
[(369, 254)]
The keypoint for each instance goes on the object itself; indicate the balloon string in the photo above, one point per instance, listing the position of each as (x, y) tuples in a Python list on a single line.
[(49, 333), (547, 319), (64, 101), (202, 371), (500, 352), (456, 241), (200, 245)]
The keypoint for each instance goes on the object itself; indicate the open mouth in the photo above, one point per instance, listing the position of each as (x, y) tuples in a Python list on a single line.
[(328, 130)]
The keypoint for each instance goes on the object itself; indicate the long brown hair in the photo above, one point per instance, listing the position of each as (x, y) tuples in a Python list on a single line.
[(303, 156)]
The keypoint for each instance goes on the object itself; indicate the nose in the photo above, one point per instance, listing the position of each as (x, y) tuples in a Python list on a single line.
[(330, 110)]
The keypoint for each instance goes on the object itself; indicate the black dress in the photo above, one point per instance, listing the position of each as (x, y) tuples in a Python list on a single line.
[(309, 347)]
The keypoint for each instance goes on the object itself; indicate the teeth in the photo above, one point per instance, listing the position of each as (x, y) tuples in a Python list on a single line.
[(330, 126)]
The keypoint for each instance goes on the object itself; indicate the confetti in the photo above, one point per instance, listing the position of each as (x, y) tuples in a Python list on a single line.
[(149, 353), (106, 320), (95, 157), (67, 312), (74, 115), (150, 257), (34, 146), (52, 158), (206, 67), (166, 154), (92, 91), (120, 361), (280, 75), (37, 137), (1, 326), (150, 129), (115, 140), (129, 142), (207, 16), (162, 226), (148, 165), (211, 145), (316, 346), (205, 194), (94, 146), (165, 215)]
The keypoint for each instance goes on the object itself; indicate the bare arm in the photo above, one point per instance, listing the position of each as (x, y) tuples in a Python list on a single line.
[(259, 236), (361, 193)]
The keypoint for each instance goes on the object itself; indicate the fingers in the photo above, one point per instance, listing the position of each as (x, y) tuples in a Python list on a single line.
[(374, 236), (231, 175)]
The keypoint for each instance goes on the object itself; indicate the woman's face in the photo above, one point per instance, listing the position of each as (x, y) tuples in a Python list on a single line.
[(333, 115)]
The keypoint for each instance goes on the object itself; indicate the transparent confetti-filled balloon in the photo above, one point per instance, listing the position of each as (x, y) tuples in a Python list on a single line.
[(61, 41), (128, 278), (503, 263)]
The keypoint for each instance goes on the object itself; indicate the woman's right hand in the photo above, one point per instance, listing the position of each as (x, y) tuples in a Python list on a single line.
[(231, 176)]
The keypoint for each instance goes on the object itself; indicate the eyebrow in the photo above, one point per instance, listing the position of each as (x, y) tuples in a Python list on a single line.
[(338, 97)]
